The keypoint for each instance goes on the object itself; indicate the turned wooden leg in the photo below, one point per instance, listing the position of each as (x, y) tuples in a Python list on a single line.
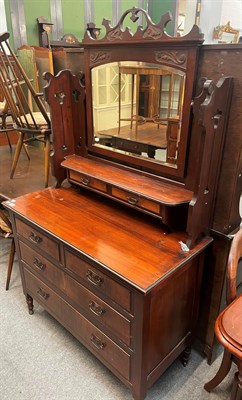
[(10, 263), (30, 304), (185, 356), (17, 153), (139, 393), (222, 372)]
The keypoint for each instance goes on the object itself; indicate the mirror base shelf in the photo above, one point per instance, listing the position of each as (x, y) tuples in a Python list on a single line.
[(148, 194)]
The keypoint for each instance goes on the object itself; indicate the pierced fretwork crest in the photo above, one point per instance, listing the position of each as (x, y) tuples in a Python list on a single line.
[(149, 30)]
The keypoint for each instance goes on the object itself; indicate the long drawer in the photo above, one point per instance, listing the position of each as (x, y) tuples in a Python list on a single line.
[(82, 297), (39, 239), (95, 278), (100, 344)]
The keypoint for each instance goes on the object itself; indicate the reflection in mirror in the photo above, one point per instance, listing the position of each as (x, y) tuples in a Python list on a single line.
[(137, 109)]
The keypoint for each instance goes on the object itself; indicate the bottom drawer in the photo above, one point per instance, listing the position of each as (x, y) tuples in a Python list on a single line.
[(100, 344)]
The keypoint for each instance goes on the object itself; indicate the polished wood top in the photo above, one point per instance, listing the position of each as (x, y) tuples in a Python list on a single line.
[(133, 246), (157, 190)]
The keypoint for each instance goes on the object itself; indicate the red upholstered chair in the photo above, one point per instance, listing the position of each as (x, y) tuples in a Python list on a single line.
[(228, 326)]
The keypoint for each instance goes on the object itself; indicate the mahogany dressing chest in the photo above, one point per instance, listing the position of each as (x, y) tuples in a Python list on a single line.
[(116, 253)]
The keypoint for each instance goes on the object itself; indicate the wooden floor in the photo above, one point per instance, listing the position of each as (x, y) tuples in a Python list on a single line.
[(29, 175)]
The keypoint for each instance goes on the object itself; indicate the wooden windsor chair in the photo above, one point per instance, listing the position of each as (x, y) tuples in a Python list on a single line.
[(27, 108)]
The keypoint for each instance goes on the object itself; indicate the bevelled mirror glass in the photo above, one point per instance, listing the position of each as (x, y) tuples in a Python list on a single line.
[(134, 105)]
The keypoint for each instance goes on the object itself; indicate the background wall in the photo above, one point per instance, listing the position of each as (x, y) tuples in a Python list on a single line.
[(219, 12), (71, 16)]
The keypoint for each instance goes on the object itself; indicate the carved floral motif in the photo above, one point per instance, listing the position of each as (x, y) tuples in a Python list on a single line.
[(172, 57), (114, 35), (99, 56), (152, 32)]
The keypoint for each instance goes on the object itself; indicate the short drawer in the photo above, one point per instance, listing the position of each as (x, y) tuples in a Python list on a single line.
[(135, 200), (41, 265), (98, 309), (97, 279), (88, 181), (38, 238), (100, 344)]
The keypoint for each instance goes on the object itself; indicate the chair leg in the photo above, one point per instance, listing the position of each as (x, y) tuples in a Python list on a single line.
[(8, 139), (26, 150), (4, 126), (47, 160), (236, 393), (222, 372), (10, 263), (17, 153)]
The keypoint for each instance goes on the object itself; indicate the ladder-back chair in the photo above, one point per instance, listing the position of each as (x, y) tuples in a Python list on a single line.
[(22, 99), (228, 327)]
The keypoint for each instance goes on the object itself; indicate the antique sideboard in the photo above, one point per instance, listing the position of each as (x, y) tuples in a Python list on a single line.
[(116, 250)]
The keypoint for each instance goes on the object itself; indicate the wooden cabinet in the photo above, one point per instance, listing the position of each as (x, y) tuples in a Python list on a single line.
[(217, 61), (115, 281), (117, 255)]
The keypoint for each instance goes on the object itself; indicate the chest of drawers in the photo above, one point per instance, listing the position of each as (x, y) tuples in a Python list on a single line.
[(120, 284)]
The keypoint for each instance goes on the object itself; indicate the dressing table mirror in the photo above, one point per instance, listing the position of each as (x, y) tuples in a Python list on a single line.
[(119, 259), (139, 95)]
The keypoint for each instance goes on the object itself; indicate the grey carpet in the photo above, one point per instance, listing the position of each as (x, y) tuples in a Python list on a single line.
[(40, 360)]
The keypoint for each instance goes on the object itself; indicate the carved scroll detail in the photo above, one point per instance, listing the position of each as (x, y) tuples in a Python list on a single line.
[(99, 57), (172, 57)]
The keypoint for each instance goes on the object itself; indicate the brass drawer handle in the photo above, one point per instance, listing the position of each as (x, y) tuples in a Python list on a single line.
[(132, 200), (97, 342), (94, 278), (43, 294), (86, 181), (96, 309), (35, 238), (39, 264)]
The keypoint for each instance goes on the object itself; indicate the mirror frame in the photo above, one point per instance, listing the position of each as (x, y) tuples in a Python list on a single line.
[(150, 44), (220, 29)]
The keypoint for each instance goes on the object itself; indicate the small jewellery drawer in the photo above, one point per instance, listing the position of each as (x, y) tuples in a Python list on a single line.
[(101, 345), (41, 265), (88, 181), (37, 238), (137, 201), (97, 279), (98, 309)]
